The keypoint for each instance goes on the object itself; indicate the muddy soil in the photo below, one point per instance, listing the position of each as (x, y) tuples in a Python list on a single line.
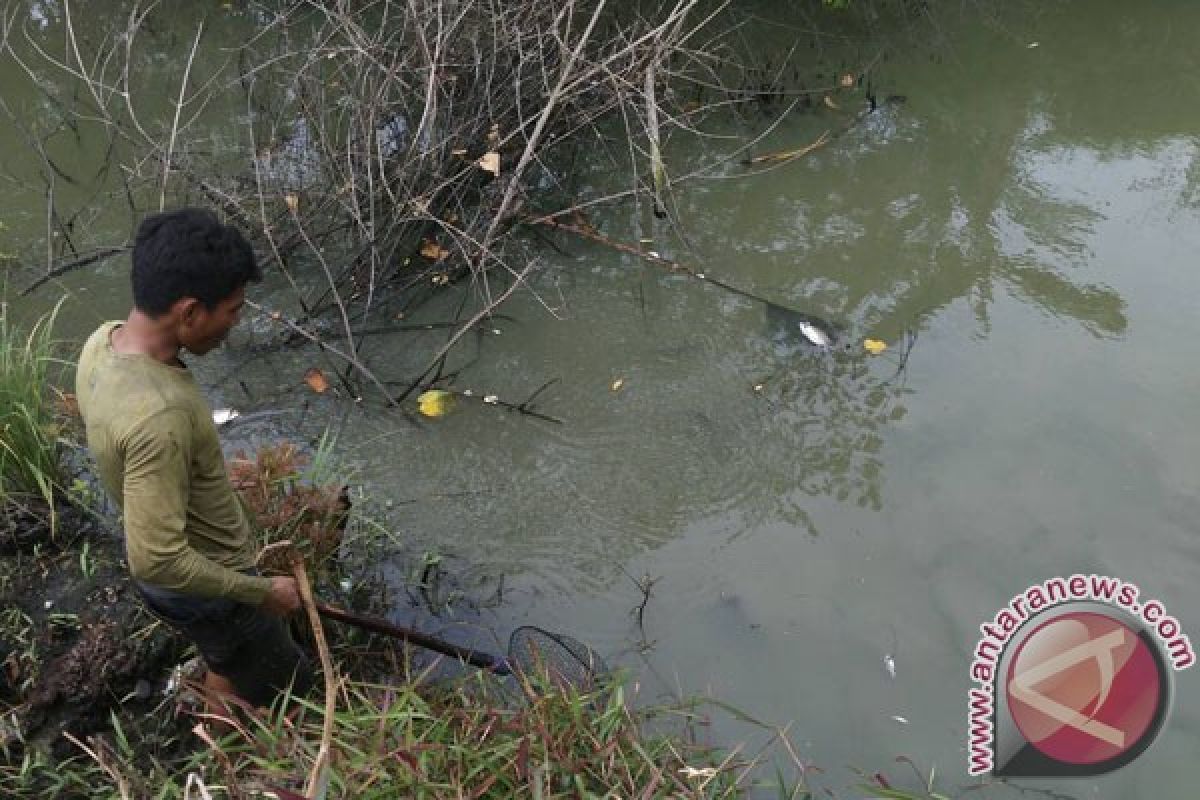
[(75, 644)]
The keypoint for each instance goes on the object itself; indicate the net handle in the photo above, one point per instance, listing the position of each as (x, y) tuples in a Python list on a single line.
[(476, 658)]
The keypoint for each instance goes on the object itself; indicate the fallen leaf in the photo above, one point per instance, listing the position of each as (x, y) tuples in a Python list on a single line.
[(490, 162), (461, 151), (847, 81), (432, 250), (292, 202), (874, 346), (617, 384), (316, 380), (829, 102), (435, 403), (68, 404), (491, 399)]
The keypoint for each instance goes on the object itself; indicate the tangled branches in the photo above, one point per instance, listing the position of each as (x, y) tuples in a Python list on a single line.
[(389, 147)]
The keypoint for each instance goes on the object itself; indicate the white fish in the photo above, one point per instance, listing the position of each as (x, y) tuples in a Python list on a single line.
[(899, 719), (814, 334), (223, 416), (889, 663)]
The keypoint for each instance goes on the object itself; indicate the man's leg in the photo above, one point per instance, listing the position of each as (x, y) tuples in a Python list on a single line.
[(263, 660), (217, 691), (249, 652)]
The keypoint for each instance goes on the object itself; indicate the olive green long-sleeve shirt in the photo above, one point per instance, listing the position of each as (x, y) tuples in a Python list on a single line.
[(152, 435)]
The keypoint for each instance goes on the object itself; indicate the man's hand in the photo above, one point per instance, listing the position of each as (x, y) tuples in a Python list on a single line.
[(284, 596)]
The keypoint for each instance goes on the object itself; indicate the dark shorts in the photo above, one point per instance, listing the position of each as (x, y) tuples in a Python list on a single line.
[(249, 646)]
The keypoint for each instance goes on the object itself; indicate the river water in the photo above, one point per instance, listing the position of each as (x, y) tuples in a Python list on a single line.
[(1022, 227)]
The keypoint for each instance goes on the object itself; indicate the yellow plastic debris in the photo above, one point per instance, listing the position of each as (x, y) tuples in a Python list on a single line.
[(435, 403), (874, 346)]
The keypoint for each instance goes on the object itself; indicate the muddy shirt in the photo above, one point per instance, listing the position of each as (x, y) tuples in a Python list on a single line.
[(152, 435)]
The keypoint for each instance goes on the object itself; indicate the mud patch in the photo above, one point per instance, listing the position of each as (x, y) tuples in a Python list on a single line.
[(75, 643)]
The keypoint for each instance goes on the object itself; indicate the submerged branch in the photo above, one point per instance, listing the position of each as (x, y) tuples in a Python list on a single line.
[(84, 260)]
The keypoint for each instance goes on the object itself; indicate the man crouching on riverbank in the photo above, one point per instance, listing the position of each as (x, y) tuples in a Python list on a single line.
[(188, 542)]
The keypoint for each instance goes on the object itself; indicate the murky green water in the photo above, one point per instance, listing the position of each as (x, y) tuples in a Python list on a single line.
[(1031, 213)]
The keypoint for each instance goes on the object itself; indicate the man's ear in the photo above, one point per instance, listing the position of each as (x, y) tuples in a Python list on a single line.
[(186, 310)]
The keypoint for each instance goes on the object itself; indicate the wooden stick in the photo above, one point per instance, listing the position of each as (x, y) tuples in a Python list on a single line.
[(654, 258), (321, 763), (82, 261), (475, 658)]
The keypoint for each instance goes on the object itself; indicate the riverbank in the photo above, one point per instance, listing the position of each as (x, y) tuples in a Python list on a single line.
[(92, 708)]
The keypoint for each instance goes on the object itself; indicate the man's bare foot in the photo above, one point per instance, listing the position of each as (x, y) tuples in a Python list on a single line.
[(218, 692)]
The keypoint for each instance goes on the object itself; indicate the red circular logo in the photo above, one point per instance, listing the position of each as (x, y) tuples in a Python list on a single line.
[(1084, 688)]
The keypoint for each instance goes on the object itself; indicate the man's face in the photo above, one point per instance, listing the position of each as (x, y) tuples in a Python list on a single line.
[(201, 330)]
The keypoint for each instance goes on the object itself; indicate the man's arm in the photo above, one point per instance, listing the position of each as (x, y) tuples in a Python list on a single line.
[(156, 486)]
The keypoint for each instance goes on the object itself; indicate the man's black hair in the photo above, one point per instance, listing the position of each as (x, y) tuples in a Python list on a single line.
[(188, 253)]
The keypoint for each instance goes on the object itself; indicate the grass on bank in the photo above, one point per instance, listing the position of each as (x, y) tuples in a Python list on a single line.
[(29, 464), (467, 738)]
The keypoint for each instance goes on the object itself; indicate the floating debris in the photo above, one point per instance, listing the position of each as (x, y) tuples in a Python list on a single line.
[(435, 403), (316, 380), (490, 162), (224, 416)]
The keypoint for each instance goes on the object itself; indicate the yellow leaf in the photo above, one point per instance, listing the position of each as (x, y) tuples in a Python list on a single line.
[(292, 202), (617, 384), (316, 380), (433, 250), (874, 346), (829, 102), (490, 162), (847, 81), (435, 403)]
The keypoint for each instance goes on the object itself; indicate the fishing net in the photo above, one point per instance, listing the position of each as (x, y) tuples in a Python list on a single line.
[(536, 653)]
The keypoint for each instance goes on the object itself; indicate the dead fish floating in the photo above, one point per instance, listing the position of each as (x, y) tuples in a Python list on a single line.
[(815, 335), (224, 416), (793, 326)]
